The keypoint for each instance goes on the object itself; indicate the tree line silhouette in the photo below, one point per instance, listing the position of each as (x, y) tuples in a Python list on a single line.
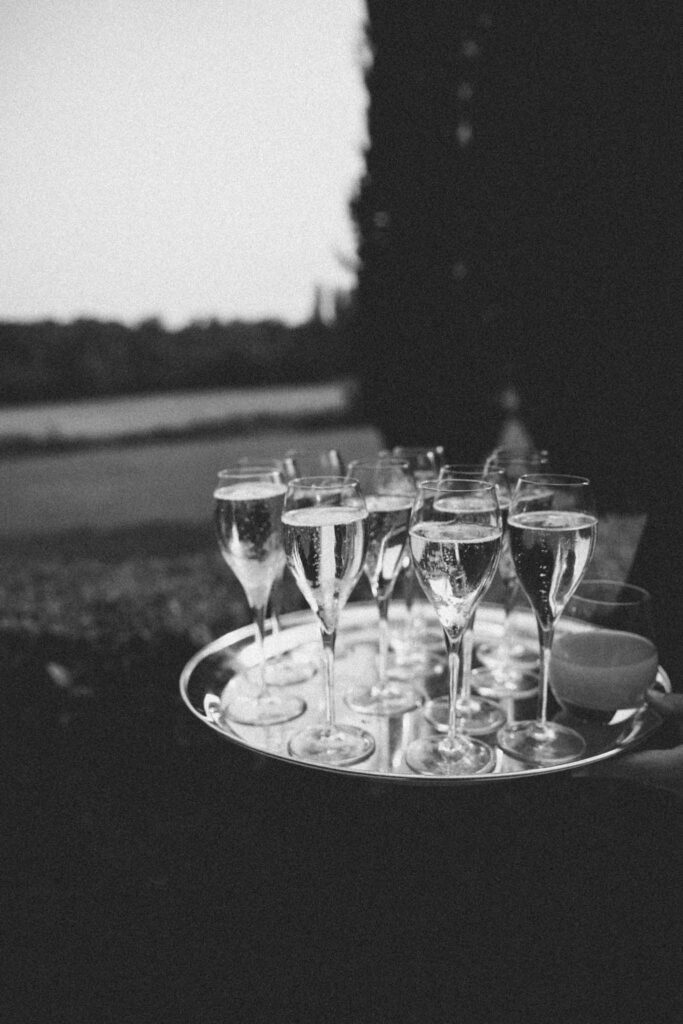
[(90, 358)]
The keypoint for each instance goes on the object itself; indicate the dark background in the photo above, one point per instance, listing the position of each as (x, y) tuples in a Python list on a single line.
[(539, 249)]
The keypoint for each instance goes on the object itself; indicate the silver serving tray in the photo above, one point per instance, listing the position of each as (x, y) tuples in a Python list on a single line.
[(223, 663)]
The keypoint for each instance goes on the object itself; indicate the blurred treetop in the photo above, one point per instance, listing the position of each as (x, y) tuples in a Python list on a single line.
[(90, 358)]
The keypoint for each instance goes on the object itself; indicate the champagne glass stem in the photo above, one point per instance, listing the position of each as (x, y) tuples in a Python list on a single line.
[(329, 639), (410, 594), (383, 605), (259, 617), (545, 636), (453, 644), (276, 604), (465, 668), (509, 595), (275, 626), (409, 586)]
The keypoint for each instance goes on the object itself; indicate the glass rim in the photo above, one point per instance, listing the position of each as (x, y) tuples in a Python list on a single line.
[(640, 593), (379, 460), (413, 449), (452, 470), (554, 479), (436, 484), (469, 471), (242, 471), (510, 454), (322, 482)]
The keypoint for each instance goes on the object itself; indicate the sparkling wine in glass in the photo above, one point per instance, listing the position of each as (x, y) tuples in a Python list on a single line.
[(248, 506), (325, 538), (455, 536), (294, 666), (389, 489), (480, 716), (424, 463), (551, 548), (509, 664), (315, 461)]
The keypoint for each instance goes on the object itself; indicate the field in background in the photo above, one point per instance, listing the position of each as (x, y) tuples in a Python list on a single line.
[(102, 421), (129, 485)]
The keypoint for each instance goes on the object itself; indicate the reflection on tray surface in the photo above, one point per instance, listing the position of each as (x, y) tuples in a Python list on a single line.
[(227, 666)]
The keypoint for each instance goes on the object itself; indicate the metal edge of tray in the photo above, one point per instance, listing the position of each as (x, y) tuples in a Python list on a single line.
[(642, 724)]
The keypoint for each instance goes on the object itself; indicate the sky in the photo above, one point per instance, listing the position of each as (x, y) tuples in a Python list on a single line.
[(181, 160)]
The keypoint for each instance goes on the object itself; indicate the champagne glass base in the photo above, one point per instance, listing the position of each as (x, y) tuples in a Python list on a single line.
[(412, 639), (269, 709), (337, 747), (502, 683), (430, 756), (290, 669), (477, 717), (523, 657), (416, 656), (540, 744), (392, 699)]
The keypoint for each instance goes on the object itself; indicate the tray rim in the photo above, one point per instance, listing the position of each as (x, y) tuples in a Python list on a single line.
[(306, 617)]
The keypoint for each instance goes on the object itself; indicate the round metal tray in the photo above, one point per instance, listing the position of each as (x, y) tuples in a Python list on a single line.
[(222, 664)]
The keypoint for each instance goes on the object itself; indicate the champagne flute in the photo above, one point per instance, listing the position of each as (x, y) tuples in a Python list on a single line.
[(455, 536), (305, 462), (290, 667), (424, 463), (389, 489), (480, 716), (300, 462), (247, 513), (325, 536), (551, 548), (518, 462), (509, 665)]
